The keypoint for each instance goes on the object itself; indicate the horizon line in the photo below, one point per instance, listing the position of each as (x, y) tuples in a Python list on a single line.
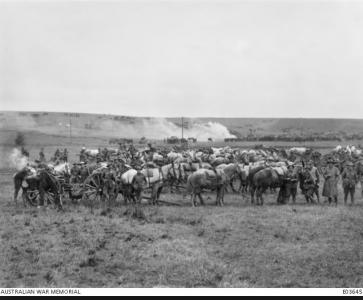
[(175, 117)]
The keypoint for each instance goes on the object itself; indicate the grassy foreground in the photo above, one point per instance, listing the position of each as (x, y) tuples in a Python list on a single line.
[(236, 246)]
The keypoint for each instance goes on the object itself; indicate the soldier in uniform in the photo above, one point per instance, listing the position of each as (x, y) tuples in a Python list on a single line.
[(309, 185), (65, 155), (24, 152), (315, 177), (57, 155), (331, 176), (359, 169), (289, 186), (82, 155), (41, 155), (99, 156), (350, 179)]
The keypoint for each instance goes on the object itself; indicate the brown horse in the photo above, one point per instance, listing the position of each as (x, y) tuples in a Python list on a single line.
[(262, 180), (43, 182), (214, 180)]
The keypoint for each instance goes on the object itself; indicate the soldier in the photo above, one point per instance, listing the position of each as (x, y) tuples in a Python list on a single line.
[(82, 155), (65, 155), (41, 155), (315, 177), (99, 156), (350, 179), (24, 152), (331, 176), (289, 186), (106, 154), (309, 185), (56, 155), (360, 174)]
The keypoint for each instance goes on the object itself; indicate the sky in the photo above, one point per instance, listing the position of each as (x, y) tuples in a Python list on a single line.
[(183, 58)]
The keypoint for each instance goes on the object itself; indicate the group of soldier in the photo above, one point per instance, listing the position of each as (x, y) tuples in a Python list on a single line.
[(331, 174), (59, 156)]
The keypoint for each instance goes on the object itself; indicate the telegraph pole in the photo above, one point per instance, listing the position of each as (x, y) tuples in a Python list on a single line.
[(182, 127), (70, 127)]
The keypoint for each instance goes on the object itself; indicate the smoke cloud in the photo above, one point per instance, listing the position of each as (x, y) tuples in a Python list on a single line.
[(113, 126), (17, 160), (158, 128)]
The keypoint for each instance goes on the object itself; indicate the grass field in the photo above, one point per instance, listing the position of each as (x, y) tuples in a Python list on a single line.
[(239, 245)]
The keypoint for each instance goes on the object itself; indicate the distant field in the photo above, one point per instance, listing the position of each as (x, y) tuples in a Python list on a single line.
[(50, 142), (96, 125)]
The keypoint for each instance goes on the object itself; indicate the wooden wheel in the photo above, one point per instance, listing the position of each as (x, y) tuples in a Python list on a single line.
[(92, 190), (32, 197)]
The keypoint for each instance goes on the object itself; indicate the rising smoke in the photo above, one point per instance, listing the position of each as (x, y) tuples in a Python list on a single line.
[(151, 128), (17, 160), (158, 128)]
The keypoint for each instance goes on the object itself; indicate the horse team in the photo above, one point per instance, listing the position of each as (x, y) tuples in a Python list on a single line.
[(131, 172)]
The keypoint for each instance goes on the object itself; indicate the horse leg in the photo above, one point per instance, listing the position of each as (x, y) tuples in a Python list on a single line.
[(261, 191), (201, 199), (261, 198), (24, 197), (252, 191), (222, 197), (280, 196), (218, 200), (193, 199), (258, 195), (158, 193), (17, 186)]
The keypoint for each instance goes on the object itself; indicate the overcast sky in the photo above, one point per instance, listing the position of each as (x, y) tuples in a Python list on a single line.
[(190, 58)]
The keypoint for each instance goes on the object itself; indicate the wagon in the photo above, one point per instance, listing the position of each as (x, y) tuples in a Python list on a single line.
[(31, 193), (100, 186)]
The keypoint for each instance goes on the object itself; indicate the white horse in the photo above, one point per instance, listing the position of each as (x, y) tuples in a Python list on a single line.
[(61, 169), (173, 156), (91, 152)]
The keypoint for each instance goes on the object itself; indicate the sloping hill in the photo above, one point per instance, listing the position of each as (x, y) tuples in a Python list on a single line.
[(77, 124)]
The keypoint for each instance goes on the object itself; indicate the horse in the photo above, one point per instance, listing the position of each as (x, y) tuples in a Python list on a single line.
[(253, 169), (18, 179), (173, 156), (132, 185), (233, 171), (43, 182), (202, 179), (264, 179), (155, 179)]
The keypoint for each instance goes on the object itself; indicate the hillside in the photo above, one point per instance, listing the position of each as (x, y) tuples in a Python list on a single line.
[(96, 125)]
